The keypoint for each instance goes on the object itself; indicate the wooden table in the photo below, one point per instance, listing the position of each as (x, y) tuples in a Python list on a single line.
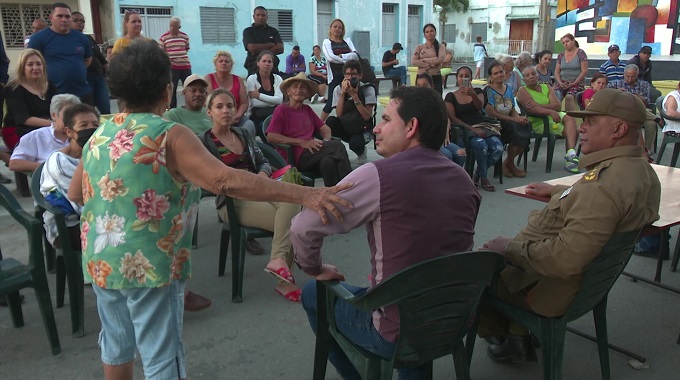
[(669, 210)]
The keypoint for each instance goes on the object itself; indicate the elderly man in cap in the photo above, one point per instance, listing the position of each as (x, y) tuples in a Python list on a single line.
[(389, 61), (613, 68), (296, 124), (619, 192)]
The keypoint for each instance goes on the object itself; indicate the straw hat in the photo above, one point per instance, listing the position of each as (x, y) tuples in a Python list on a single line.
[(300, 77)]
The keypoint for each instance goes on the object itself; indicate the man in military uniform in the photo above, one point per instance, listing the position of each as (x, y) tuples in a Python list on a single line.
[(620, 192)]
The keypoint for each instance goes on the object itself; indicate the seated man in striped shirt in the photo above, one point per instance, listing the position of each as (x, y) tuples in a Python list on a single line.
[(613, 68), (176, 44)]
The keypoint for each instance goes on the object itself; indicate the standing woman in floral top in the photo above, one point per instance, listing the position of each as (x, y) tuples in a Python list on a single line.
[(428, 57), (139, 180)]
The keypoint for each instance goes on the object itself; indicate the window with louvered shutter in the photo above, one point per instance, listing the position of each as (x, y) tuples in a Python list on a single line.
[(282, 20), (17, 20), (217, 25)]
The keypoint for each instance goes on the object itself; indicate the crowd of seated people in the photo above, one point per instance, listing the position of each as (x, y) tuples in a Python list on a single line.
[(223, 110)]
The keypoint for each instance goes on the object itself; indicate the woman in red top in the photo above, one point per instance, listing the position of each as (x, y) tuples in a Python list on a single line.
[(223, 78)]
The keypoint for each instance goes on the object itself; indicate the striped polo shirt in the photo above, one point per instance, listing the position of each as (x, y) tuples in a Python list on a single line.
[(177, 48)]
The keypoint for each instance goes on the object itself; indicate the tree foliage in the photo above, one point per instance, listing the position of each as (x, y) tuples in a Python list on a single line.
[(459, 6)]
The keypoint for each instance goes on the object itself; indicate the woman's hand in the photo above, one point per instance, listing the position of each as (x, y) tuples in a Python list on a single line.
[(325, 199), (254, 94), (521, 119), (555, 116)]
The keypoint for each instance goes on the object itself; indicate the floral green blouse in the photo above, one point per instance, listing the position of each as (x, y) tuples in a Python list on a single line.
[(137, 222)]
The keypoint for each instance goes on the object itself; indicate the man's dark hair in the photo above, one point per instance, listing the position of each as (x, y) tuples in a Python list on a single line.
[(139, 74), (353, 64), (70, 113), (296, 48), (260, 8), (77, 13), (59, 5), (425, 105)]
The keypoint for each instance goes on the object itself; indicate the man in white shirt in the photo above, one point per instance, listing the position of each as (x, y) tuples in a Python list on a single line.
[(35, 146)]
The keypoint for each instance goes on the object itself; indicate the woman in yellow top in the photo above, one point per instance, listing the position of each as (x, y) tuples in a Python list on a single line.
[(428, 57), (132, 29)]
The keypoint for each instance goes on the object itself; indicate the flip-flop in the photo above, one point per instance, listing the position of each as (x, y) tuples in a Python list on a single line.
[(488, 187), (282, 273), (292, 296)]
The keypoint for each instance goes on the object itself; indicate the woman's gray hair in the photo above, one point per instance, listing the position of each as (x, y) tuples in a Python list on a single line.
[(503, 58), (62, 100), (523, 59), (175, 18)]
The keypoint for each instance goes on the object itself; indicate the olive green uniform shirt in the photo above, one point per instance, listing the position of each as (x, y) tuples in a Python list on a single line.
[(620, 192)]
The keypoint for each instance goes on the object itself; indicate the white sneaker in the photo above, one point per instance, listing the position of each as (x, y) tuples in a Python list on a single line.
[(362, 159), (315, 98)]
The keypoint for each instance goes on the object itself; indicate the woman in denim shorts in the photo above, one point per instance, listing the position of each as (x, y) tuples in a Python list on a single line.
[(139, 179)]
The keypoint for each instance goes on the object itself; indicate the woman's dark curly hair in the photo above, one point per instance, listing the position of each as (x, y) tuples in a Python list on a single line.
[(140, 74)]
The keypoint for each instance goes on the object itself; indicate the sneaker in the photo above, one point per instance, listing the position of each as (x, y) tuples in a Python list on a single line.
[(571, 156), (253, 247), (361, 158), (315, 98), (571, 167)]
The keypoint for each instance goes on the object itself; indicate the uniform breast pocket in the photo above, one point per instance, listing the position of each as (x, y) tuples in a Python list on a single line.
[(550, 215)]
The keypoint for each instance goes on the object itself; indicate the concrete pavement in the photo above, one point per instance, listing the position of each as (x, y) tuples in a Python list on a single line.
[(268, 337)]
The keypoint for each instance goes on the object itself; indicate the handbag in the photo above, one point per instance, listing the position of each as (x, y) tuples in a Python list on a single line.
[(261, 113), (489, 129), (367, 74), (287, 174)]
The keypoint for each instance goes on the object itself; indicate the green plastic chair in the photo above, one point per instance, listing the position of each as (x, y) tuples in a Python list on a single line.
[(238, 234), (599, 277), (667, 139), (68, 259), (437, 301), (538, 138), (15, 276)]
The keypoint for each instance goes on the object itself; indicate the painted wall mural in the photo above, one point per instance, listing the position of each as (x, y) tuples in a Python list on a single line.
[(631, 24)]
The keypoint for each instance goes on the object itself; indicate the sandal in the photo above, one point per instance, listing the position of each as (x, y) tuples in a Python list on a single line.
[(488, 186), (475, 181), (282, 273), (292, 296)]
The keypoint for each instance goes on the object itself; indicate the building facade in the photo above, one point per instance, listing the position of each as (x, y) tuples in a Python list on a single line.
[(214, 25)]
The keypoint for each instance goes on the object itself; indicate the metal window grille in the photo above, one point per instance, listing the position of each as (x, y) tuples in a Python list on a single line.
[(388, 8), (450, 33), (217, 25), (17, 20), (283, 21), (414, 10)]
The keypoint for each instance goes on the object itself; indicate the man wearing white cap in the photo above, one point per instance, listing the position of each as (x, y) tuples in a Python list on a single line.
[(192, 113)]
